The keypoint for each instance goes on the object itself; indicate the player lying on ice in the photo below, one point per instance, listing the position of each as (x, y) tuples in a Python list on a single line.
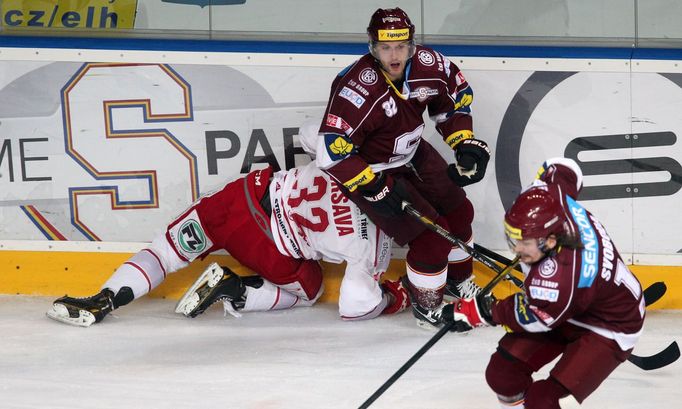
[(276, 224), (581, 301)]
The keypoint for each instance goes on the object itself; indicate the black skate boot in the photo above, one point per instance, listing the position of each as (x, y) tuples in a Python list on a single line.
[(427, 318), (215, 284), (84, 312)]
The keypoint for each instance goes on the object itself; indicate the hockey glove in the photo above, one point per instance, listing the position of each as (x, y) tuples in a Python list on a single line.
[(386, 195), (472, 156), (468, 313), (399, 298)]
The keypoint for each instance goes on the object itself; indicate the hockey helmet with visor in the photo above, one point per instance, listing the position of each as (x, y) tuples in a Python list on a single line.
[(535, 214)]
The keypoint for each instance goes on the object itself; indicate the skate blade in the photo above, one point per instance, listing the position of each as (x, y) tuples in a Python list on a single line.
[(60, 312), (190, 300), (426, 325)]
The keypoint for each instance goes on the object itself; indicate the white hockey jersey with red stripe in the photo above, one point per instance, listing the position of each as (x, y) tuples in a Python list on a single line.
[(312, 219)]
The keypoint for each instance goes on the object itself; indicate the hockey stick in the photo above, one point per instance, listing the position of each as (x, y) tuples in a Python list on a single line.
[(500, 275), (444, 233), (659, 360)]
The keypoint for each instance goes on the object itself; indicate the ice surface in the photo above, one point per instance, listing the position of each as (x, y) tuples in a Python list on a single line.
[(145, 356)]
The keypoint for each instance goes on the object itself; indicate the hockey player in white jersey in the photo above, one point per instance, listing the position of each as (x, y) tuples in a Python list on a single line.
[(276, 224)]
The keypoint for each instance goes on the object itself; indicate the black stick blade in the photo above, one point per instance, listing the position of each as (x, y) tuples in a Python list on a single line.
[(659, 360), (654, 292)]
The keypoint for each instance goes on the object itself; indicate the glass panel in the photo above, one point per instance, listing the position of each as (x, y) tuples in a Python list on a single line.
[(325, 19), (556, 20), (658, 23)]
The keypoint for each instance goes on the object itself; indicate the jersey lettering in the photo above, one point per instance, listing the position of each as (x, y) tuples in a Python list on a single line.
[(588, 269)]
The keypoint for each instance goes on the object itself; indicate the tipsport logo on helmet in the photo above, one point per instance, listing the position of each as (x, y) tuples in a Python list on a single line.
[(394, 35)]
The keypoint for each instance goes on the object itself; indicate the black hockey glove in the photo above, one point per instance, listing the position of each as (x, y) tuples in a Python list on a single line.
[(468, 313), (472, 156), (386, 194)]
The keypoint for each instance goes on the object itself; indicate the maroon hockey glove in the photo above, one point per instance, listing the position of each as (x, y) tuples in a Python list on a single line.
[(468, 313), (472, 156), (386, 194), (400, 298)]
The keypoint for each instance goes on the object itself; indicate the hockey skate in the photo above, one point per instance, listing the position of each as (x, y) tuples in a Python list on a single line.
[(215, 284), (465, 289), (427, 318), (82, 312)]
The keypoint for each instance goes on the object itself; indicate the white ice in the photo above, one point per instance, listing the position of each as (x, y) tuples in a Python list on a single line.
[(145, 356)]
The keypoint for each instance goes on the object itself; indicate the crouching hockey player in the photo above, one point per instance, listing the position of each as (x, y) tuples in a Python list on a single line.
[(276, 224), (581, 303)]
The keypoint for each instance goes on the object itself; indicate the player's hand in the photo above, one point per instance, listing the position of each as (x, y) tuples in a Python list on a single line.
[(471, 156), (386, 194), (468, 313)]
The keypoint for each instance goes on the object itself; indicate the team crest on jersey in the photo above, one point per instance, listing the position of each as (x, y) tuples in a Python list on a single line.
[(338, 146), (548, 267), (426, 58), (368, 76), (188, 236), (390, 107), (352, 96)]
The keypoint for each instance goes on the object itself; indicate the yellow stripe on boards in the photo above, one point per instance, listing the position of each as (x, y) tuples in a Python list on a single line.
[(79, 274)]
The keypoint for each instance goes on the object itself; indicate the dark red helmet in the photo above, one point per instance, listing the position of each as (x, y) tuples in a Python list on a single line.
[(534, 214), (390, 25)]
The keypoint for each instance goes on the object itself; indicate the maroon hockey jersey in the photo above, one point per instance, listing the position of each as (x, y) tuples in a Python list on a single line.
[(590, 287), (371, 125)]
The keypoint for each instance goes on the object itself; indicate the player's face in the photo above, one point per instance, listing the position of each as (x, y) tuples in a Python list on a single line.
[(393, 56), (528, 250)]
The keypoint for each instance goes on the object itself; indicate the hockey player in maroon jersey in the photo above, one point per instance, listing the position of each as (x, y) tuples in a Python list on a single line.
[(278, 225), (371, 143), (581, 301)]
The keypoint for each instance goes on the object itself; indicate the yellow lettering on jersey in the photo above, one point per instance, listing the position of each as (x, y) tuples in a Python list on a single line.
[(362, 178), (458, 137)]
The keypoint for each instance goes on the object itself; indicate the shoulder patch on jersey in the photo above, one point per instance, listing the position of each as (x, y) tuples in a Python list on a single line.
[(523, 316), (426, 58), (188, 236), (547, 268), (368, 76), (338, 146)]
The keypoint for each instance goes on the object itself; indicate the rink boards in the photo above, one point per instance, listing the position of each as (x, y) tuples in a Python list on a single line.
[(56, 273), (106, 141)]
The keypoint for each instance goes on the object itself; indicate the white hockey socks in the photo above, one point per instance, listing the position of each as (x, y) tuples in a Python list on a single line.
[(271, 297), (145, 270)]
